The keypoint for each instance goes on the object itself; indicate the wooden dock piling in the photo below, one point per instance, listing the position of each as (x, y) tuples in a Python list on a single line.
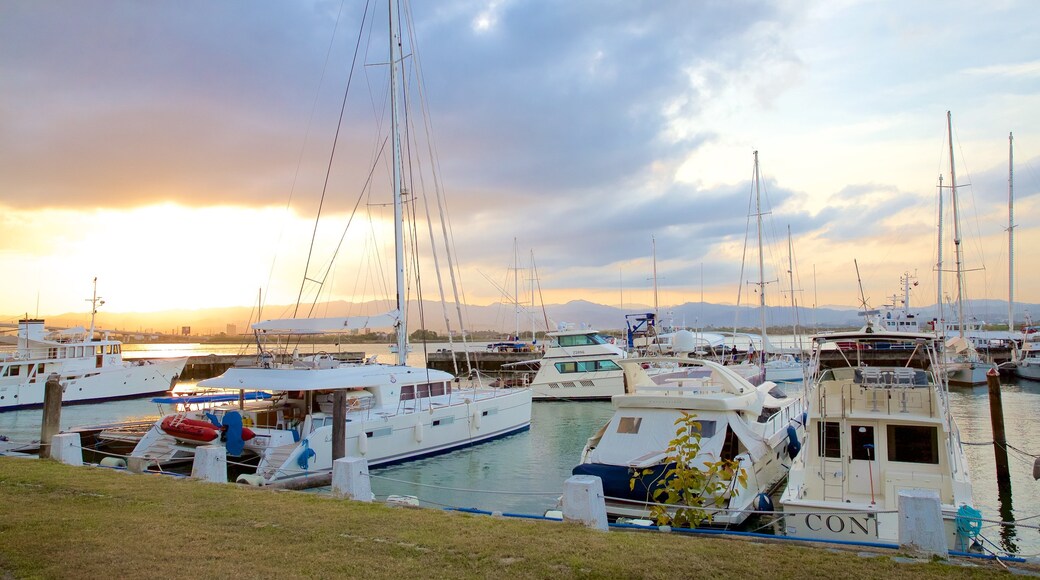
[(996, 417)]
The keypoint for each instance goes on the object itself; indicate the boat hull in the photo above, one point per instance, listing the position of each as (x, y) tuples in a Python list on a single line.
[(124, 381)]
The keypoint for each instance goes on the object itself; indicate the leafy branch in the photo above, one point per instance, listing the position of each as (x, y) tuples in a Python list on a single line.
[(693, 489)]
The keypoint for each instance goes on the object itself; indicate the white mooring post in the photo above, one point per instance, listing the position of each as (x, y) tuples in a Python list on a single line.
[(66, 448), (350, 478), (210, 463), (921, 528), (583, 501)]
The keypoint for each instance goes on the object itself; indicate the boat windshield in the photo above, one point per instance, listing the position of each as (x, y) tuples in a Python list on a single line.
[(581, 339)]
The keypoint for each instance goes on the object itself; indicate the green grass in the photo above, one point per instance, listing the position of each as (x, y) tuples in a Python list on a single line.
[(58, 521)]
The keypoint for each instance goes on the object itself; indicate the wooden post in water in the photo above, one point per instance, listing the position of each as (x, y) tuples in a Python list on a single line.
[(51, 413), (339, 424), (996, 418)]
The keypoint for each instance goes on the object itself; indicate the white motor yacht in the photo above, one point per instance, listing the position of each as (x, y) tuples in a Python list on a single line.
[(759, 427), (879, 423), (90, 369)]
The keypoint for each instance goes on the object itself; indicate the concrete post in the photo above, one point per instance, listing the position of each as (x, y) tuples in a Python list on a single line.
[(210, 463), (67, 448), (350, 479), (921, 528), (583, 501), (52, 394)]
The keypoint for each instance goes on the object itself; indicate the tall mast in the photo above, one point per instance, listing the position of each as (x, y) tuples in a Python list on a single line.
[(790, 275), (653, 254), (940, 326), (402, 325), (956, 232), (516, 288), (761, 265), (1011, 233)]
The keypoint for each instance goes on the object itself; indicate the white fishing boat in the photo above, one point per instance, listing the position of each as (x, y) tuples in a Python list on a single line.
[(759, 427), (90, 369), (391, 412), (879, 423)]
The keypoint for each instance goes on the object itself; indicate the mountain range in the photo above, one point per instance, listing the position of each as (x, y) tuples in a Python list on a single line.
[(504, 317)]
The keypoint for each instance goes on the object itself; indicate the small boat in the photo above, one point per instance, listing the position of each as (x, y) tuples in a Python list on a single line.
[(1027, 360), (879, 423), (194, 431), (759, 427)]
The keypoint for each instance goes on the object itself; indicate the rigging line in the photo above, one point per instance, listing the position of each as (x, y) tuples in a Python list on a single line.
[(447, 232), (366, 188), (332, 155), (303, 146), (743, 258)]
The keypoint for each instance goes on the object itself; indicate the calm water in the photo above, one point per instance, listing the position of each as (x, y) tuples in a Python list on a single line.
[(524, 473)]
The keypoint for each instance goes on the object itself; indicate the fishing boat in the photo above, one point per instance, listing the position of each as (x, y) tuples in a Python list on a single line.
[(758, 427), (91, 369), (321, 407), (879, 423)]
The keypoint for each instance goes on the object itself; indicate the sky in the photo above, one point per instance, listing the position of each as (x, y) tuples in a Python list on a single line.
[(178, 151)]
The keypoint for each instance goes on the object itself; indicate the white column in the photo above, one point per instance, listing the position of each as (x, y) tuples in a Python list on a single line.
[(66, 448), (921, 528), (210, 463), (350, 478), (583, 501)]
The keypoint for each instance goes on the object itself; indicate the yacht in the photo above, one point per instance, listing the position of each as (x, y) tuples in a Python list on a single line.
[(578, 364), (879, 423), (759, 427), (91, 369)]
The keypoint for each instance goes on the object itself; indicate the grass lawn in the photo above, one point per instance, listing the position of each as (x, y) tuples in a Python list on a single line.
[(58, 521)]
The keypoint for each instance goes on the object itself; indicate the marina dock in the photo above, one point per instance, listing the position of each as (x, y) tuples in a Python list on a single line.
[(484, 361), (211, 365)]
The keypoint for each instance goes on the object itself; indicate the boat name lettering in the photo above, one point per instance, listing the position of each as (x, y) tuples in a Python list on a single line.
[(840, 524)]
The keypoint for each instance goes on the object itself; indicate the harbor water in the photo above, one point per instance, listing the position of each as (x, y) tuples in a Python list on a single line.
[(524, 473)]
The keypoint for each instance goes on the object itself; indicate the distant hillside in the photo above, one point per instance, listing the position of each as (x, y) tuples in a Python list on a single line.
[(503, 317)]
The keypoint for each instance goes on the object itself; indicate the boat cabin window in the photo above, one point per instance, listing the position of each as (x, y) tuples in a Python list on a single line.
[(766, 413), (409, 392), (585, 366), (629, 424), (829, 437), (913, 444), (707, 429), (13, 371), (777, 393), (580, 339), (52, 352)]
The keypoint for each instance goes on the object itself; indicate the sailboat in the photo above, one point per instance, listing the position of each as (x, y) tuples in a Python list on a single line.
[(778, 368), (964, 366), (324, 408)]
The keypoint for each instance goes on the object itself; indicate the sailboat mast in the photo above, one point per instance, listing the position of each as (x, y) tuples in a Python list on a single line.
[(790, 275), (761, 265), (1011, 233), (402, 326), (653, 255), (516, 288), (940, 326), (956, 232)]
